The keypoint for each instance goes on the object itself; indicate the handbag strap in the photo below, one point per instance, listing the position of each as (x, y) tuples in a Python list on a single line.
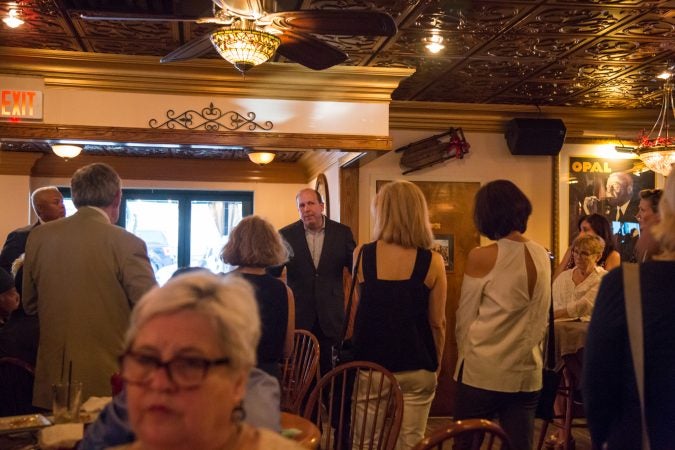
[(348, 312), (633, 302)]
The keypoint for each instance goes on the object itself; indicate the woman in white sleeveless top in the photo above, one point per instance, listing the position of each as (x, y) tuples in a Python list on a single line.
[(502, 316)]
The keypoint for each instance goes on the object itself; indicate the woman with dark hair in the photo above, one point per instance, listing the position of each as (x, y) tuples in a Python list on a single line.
[(253, 246), (502, 316), (597, 225)]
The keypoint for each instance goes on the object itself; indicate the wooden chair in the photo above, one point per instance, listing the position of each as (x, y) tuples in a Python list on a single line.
[(299, 370), (358, 405), (572, 408), (16, 387), (469, 434)]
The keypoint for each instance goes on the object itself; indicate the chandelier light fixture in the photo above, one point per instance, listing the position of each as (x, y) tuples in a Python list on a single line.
[(657, 149), (260, 157), (245, 47), (66, 151), (12, 19)]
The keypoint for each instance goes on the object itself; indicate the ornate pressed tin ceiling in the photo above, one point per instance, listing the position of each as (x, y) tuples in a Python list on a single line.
[(588, 53), (578, 53)]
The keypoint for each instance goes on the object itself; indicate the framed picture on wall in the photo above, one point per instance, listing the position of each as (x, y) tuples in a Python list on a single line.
[(445, 245), (611, 188), (322, 188)]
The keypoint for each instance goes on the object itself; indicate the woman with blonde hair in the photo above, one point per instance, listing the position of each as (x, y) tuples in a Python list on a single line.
[(188, 353), (253, 246), (575, 289), (400, 320), (610, 389)]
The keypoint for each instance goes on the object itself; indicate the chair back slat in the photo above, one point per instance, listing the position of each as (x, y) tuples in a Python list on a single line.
[(358, 406), (299, 370), (469, 434)]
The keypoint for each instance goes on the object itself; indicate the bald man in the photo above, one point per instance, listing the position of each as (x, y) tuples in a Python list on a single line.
[(619, 204), (48, 205)]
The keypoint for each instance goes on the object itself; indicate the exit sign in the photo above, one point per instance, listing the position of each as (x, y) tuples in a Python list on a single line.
[(20, 104)]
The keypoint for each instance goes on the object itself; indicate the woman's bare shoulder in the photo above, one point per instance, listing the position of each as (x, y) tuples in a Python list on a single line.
[(481, 261)]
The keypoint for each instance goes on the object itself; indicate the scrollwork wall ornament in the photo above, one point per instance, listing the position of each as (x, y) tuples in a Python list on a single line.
[(209, 119)]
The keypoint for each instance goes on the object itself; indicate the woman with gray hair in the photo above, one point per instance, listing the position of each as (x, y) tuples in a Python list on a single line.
[(574, 290), (189, 349), (253, 246)]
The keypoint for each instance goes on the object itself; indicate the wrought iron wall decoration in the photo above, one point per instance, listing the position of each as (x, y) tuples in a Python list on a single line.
[(209, 119), (433, 150)]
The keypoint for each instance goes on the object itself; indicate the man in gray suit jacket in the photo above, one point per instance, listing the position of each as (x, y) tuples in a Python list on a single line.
[(322, 248), (82, 275)]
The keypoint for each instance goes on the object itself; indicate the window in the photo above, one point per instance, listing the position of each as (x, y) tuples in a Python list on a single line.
[(180, 228)]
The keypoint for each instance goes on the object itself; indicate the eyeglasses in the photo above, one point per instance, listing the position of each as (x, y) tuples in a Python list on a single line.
[(582, 252), (184, 372)]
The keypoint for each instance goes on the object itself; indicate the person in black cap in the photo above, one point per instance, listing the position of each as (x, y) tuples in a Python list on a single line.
[(9, 297)]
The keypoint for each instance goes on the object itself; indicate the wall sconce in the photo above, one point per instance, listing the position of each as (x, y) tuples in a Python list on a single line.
[(66, 151), (12, 20), (434, 43), (259, 157)]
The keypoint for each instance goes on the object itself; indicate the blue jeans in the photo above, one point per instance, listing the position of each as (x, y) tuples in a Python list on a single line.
[(514, 410)]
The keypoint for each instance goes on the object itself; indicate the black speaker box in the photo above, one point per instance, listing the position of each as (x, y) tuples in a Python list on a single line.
[(535, 136)]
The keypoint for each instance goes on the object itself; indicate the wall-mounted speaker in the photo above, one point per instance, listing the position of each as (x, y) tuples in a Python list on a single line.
[(535, 136)]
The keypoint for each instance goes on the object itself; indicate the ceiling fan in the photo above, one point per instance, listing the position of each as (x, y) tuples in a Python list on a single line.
[(248, 36)]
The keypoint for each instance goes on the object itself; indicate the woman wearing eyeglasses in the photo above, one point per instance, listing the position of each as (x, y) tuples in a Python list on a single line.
[(189, 349), (574, 290)]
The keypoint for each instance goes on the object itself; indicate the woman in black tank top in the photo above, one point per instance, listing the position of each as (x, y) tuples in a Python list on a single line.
[(400, 320)]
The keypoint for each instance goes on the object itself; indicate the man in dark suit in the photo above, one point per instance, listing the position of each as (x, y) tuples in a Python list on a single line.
[(48, 205), (322, 248)]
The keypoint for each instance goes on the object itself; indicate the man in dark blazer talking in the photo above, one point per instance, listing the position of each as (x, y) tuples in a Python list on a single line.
[(322, 248)]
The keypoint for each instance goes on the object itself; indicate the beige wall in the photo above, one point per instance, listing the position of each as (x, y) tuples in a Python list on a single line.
[(488, 159), (15, 198)]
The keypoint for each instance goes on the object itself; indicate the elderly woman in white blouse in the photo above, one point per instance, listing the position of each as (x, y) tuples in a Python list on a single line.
[(574, 290)]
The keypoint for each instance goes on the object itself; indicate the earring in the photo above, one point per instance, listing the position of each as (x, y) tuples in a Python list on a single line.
[(238, 413)]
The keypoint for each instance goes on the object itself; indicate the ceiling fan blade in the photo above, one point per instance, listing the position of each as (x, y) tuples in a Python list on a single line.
[(335, 22), (192, 49), (135, 17), (248, 9), (309, 51)]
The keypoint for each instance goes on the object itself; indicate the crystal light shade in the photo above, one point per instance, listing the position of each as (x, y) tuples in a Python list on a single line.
[(658, 152), (66, 151), (261, 158), (245, 48), (12, 20)]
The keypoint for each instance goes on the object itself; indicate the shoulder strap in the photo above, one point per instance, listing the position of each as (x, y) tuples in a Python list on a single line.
[(422, 263), (348, 312), (369, 265), (633, 302)]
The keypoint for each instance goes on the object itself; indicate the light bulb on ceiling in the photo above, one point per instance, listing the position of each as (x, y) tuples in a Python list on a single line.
[(12, 20), (66, 151), (434, 43), (259, 157)]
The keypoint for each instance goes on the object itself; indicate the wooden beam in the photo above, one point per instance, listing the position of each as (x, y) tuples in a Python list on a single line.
[(42, 132), (174, 169)]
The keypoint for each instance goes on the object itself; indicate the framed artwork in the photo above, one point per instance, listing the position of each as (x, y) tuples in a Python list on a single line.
[(445, 245), (611, 188), (322, 188)]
